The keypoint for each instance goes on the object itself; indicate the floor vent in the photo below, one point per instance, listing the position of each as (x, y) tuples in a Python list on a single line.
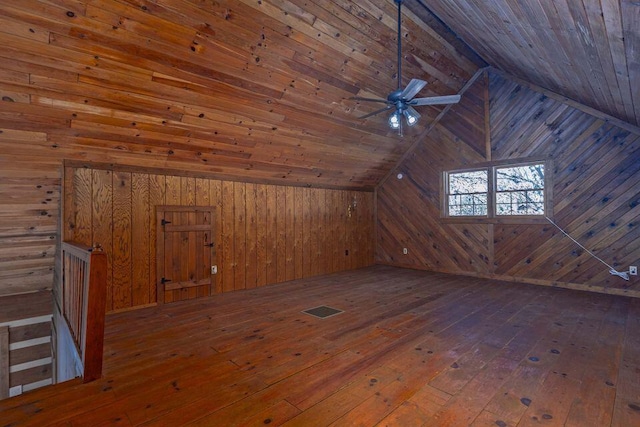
[(323, 311)]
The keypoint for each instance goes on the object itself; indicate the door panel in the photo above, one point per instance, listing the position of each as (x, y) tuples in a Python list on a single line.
[(185, 251)]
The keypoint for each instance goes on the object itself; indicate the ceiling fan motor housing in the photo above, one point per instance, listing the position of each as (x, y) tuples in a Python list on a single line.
[(396, 99), (395, 96)]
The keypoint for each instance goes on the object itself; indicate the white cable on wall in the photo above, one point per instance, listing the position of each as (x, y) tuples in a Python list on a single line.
[(613, 271)]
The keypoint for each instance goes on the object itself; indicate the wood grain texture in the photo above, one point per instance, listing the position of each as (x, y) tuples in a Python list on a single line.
[(30, 331), (251, 236), (122, 259), (19, 308), (4, 362), (271, 234), (184, 235), (239, 89), (239, 233), (289, 234), (24, 306), (203, 198), (228, 241), (234, 90), (92, 354), (157, 191), (102, 224), (587, 51), (412, 348), (260, 92), (140, 237), (595, 195), (81, 198), (217, 201), (263, 234), (187, 198), (172, 197)]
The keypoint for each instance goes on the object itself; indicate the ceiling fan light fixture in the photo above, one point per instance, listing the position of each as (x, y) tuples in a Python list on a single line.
[(394, 120), (411, 115)]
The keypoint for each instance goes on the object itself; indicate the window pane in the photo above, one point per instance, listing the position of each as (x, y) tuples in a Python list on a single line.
[(520, 203), (536, 209), (480, 199), (530, 177), (520, 190), (468, 193), (503, 209), (468, 182), (537, 196), (466, 210), (502, 198), (480, 210)]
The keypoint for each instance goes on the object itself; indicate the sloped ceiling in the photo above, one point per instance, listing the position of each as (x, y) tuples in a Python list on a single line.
[(586, 50), (259, 89), (243, 89)]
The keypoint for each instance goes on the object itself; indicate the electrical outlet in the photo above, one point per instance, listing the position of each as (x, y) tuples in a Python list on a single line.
[(15, 391), (405, 251), (214, 269), (633, 270)]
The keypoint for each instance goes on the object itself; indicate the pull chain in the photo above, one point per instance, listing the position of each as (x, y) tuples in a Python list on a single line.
[(613, 271)]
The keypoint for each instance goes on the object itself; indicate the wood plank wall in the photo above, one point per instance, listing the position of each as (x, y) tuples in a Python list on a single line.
[(237, 89), (596, 193), (29, 214), (240, 89), (264, 233), (30, 193)]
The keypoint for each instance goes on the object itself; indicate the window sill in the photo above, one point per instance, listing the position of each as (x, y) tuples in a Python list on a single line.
[(497, 220)]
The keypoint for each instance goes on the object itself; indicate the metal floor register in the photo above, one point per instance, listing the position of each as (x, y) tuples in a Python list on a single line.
[(323, 311)]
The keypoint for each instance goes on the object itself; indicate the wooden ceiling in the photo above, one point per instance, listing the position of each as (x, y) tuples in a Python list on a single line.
[(587, 50), (243, 89), (258, 90)]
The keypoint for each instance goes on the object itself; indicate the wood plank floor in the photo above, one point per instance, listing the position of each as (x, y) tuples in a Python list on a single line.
[(411, 349)]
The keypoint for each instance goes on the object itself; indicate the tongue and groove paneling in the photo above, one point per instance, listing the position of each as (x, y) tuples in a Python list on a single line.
[(263, 233), (596, 196), (236, 90)]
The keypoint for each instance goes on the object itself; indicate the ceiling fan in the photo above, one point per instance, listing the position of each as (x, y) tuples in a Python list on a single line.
[(403, 99)]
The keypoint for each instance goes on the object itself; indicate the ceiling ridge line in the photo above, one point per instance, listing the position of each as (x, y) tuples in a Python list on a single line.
[(450, 36), (569, 101), (424, 133)]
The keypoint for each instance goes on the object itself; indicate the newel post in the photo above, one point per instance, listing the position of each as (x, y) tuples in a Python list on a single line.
[(96, 307)]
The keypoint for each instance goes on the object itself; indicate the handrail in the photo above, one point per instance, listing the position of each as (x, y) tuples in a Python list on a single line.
[(83, 302)]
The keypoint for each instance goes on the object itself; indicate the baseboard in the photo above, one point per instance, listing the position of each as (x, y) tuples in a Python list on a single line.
[(549, 283)]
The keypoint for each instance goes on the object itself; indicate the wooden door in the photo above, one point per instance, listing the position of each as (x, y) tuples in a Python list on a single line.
[(185, 252)]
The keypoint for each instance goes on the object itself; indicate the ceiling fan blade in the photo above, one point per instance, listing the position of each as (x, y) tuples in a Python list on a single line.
[(359, 98), (436, 100), (412, 89), (388, 107)]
